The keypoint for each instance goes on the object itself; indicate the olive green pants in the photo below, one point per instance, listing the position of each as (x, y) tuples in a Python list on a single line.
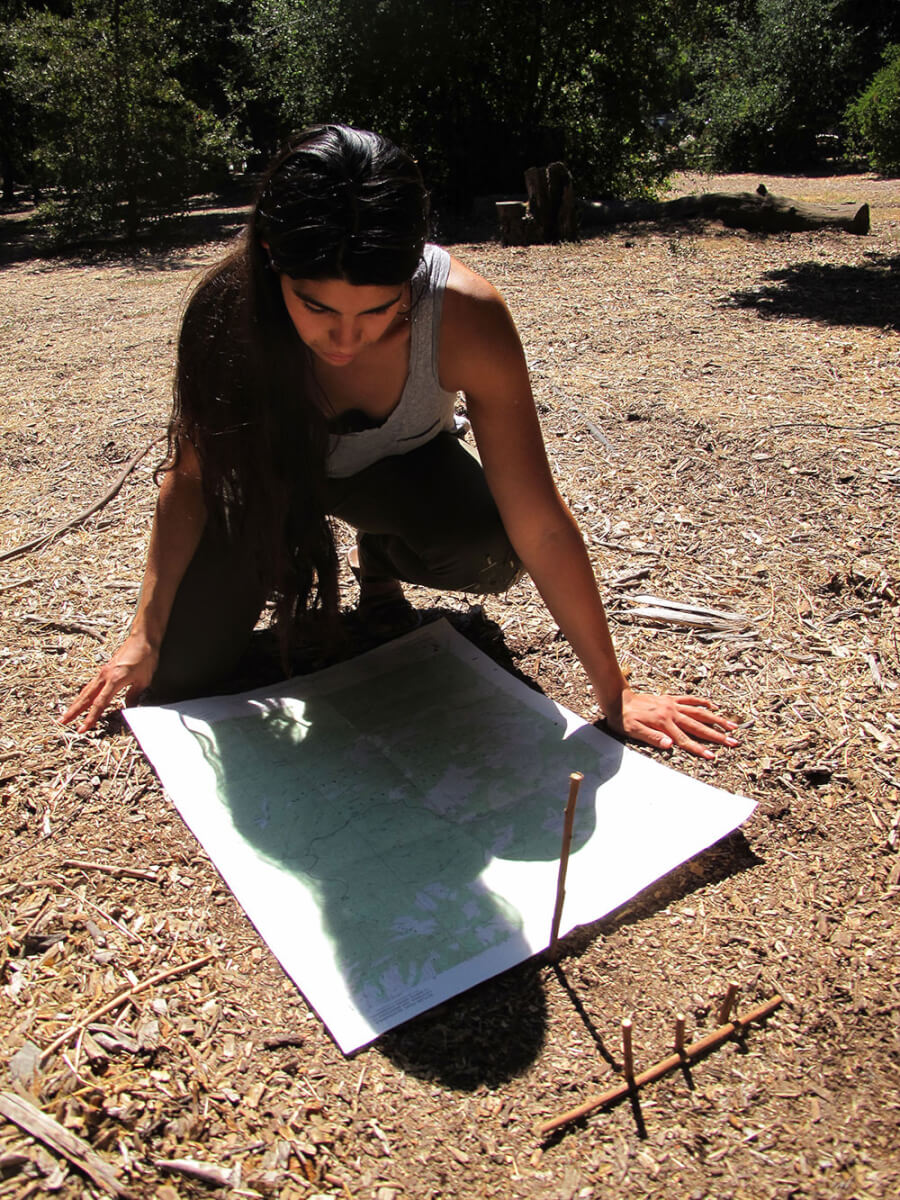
[(426, 517)]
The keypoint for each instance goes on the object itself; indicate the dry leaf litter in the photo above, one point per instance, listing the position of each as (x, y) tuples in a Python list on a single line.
[(721, 413)]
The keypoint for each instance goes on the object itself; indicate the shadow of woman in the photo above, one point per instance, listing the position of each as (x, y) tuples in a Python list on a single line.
[(389, 799)]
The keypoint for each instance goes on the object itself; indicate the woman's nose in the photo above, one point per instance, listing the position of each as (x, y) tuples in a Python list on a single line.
[(345, 335)]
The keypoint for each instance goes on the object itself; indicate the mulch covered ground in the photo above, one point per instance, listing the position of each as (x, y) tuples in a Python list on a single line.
[(721, 410)]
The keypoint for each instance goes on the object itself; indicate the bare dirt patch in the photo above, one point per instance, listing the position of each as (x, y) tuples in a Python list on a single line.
[(721, 411)]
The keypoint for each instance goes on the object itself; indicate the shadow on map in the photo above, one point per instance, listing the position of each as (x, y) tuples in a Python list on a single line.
[(391, 826), (495, 1031)]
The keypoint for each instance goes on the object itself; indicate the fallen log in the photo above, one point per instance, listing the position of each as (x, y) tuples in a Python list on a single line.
[(759, 211)]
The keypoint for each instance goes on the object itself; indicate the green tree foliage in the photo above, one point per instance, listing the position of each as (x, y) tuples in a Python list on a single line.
[(873, 119), (769, 80), (118, 109), (208, 50), (874, 26), (115, 139), (16, 141), (279, 48), (482, 89)]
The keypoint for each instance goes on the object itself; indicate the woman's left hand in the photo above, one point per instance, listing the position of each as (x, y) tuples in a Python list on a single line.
[(667, 721)]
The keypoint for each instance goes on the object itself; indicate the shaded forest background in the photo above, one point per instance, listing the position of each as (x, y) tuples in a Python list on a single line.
[(113, 113)]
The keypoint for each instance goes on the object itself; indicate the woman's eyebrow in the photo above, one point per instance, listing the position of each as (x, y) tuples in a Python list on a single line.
[(318, 303)]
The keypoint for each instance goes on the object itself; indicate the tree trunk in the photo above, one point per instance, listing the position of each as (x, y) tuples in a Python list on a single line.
[(8, 173), (758, 211), (551, 201)]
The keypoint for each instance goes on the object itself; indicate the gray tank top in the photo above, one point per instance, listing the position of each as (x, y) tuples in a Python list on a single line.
[(424, 408)]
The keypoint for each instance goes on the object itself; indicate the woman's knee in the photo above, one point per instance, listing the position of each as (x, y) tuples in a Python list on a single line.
[(482, 562), (497, 566)]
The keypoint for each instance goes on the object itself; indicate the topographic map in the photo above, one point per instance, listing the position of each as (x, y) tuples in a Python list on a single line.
[(392, 825)]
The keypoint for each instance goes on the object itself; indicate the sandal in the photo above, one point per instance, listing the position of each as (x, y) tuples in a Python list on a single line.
[(386, 615), (383, 619)]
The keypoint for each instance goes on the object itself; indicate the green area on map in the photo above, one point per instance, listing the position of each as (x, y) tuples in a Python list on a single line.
[(389, 798)]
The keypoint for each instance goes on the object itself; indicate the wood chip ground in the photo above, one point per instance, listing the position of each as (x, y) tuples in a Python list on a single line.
[(721, 410)]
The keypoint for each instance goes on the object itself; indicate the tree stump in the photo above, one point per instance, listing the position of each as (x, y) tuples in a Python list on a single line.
[(517, 228), (548, 215), (551, 201)]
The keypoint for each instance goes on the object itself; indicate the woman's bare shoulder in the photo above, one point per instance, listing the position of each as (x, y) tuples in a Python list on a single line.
[(472, 305), (464, 284), (477, 331)]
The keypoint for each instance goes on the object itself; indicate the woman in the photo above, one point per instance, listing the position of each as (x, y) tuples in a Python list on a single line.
[(317, 371)]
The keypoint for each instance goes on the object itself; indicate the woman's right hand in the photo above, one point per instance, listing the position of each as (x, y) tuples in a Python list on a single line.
[(131, 667)]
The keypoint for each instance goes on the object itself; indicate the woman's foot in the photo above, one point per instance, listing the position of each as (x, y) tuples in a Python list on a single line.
[(373, 589), (383, 610)]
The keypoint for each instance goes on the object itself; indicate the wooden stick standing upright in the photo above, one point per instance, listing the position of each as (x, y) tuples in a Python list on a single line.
[(574, 783), (663, 1067), (679, 1034), (728, 1003), (627, 1051)]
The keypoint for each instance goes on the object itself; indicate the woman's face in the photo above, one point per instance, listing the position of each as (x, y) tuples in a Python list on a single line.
[(338, 320)]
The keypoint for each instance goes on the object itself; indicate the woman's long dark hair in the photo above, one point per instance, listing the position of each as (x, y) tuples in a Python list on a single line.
[(338, 203)]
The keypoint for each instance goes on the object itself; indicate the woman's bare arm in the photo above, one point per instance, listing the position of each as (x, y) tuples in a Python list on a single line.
[(177, 527), (482, 356)]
